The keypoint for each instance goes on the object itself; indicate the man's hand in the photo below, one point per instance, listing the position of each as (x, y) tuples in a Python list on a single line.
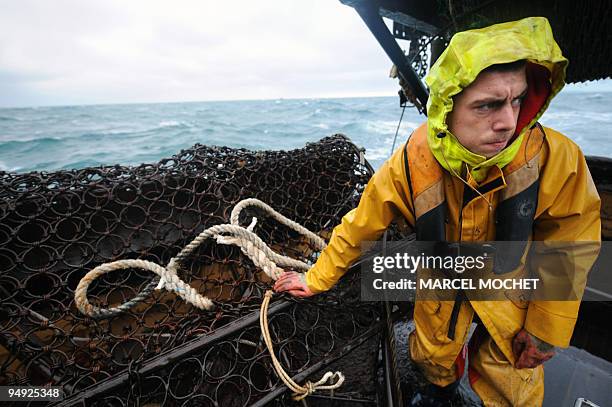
[(530, 351), (294, 284)]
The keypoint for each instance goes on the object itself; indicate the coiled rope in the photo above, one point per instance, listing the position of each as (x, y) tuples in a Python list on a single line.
[(299, 392), (252, 246)]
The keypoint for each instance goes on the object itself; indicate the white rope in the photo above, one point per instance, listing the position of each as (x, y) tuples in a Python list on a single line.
[(316, 241), (230, 234), (253, 247)]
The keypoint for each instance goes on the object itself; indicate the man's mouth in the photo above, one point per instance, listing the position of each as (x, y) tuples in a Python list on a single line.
[(498, 144)]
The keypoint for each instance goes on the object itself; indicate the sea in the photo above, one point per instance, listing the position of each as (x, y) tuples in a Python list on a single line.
[(74, 137)]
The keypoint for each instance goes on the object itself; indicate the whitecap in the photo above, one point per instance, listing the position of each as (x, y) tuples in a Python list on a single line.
[(382, 151), (378, 153), (5, 167), (557, 115), (598, 116), (576, 116), (321, 126), (168, 123), (389, 127)]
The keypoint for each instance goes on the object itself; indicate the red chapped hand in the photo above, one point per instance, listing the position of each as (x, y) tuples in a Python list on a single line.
[(293, 283), (530, 351)]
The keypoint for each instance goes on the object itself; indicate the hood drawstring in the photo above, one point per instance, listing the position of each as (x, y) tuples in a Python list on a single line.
[(441, 135)]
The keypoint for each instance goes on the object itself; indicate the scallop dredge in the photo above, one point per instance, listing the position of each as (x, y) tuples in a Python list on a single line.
[(55, 227)]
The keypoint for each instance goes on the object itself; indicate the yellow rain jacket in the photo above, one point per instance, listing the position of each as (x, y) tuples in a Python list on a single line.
[(568, 206)]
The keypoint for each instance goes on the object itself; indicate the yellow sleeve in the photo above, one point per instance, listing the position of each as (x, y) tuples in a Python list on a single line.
[(385, 197), (568, 211)]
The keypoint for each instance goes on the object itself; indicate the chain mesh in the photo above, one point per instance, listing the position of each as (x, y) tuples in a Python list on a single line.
[(55, 227)]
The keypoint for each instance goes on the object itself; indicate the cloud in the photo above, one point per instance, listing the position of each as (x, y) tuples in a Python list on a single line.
[(116, 51), (112, 51)]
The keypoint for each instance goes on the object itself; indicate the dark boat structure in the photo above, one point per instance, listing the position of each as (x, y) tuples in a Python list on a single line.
[(55, 227)]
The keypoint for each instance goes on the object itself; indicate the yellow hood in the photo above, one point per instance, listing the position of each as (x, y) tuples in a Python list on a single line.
[(469, 53)]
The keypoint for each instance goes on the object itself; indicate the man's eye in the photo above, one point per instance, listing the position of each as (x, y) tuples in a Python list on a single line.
[(518, 101), (485, 107)]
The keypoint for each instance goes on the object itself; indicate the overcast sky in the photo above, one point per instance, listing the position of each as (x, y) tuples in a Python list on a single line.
[(124, 51)]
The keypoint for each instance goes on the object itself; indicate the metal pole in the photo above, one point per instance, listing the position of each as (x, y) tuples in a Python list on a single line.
[(370, 16)]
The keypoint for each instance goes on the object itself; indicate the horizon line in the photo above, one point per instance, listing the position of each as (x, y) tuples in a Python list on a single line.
[(578, 87), (195, 101)]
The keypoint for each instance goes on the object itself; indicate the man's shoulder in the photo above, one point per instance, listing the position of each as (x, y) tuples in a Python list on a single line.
[(557, 140), (415, 146), (559, 146), (418, 137)]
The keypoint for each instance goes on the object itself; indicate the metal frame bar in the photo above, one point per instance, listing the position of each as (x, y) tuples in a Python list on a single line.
[(168, 358), (371, 17)]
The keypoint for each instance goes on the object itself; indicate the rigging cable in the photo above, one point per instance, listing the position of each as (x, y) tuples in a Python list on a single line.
[(397, 130)]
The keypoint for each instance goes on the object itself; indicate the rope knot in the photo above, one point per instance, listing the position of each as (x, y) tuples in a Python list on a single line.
[(250, 244), (299, 392), (309, 388)]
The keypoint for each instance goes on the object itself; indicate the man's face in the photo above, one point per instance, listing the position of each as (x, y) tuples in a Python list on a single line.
[(485, 113)]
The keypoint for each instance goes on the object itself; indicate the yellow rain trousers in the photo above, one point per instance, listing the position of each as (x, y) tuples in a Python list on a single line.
[(568, 210)]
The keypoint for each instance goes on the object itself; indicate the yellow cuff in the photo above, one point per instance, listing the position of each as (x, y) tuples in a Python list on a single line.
[(314, 283), (550, 327)]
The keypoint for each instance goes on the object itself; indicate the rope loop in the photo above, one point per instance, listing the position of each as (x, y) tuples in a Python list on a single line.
[(230, 234), (299, 392)]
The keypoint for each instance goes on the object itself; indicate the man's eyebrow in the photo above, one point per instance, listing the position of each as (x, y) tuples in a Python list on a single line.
[(488, 100), (493, 100)]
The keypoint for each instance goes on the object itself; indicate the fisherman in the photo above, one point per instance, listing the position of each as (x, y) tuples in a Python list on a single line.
[(481, 169)]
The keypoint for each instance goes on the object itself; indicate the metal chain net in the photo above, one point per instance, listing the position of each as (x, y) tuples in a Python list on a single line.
[(418, 55), (55, 227)]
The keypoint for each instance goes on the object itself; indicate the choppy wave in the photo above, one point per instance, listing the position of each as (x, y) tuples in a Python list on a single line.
[(5, 167), (595, 96), (390, 126), (50, 138), (382, 151), (10, 119)]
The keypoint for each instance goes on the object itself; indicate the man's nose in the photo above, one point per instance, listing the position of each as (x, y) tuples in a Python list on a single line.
[(505, 119)]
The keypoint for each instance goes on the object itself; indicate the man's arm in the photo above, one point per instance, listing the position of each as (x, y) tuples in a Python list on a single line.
[(568, 212), (384, 198)]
